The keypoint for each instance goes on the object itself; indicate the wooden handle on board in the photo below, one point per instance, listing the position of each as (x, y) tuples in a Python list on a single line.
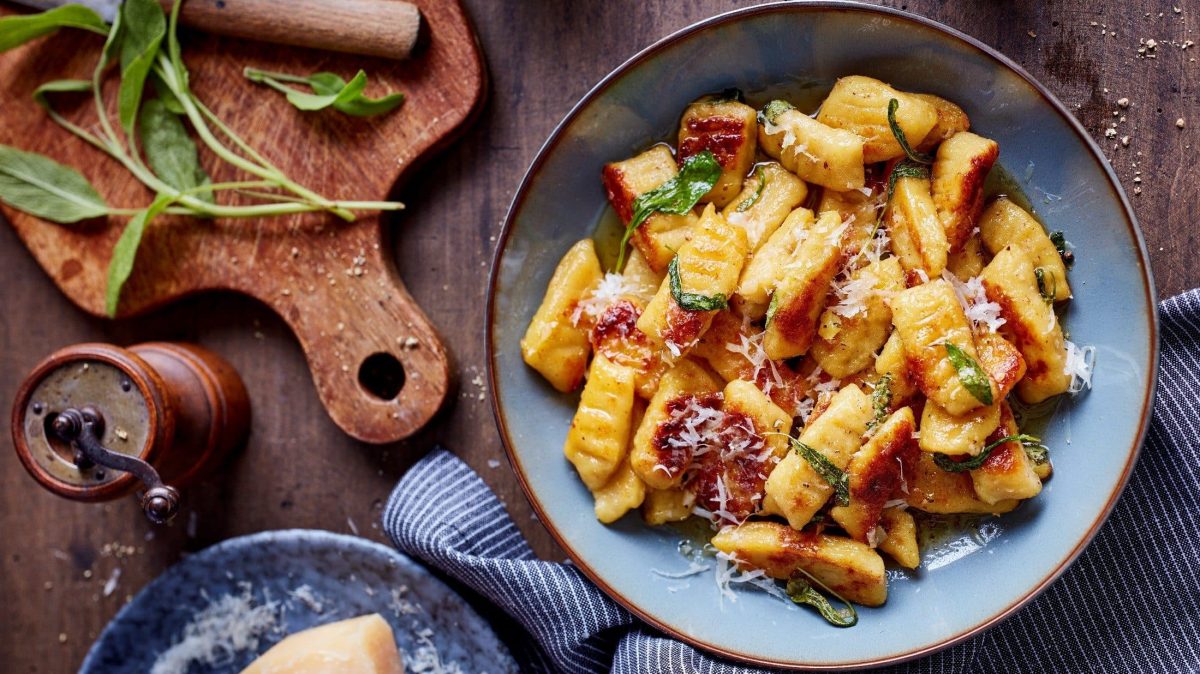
[(386, 28), (379, 367)]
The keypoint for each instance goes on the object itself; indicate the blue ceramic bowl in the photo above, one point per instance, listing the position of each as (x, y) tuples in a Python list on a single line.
[(964, 586), (302, 578)]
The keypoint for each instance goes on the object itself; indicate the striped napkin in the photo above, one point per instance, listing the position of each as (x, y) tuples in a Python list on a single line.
[(1131, 603)]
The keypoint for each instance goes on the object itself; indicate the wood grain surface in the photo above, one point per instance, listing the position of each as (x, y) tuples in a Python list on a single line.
[(301, 471), (331, 281), (386, 28)]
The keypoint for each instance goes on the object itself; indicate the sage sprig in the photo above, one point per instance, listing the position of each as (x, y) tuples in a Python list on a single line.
[(330, 91), (676, 196), (692, 301), (155, 144), (1036, 451), (972, 376)]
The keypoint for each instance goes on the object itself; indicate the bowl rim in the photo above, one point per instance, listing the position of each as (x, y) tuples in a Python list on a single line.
[(789, 7)]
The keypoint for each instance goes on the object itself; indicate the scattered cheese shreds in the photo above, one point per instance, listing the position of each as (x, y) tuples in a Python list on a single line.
[(610, 289), (974, 301), (230, 625), (728, 573), (751, 348), (1079, 365)]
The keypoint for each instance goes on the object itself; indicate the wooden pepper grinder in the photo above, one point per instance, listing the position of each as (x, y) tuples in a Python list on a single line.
[(92, 421)]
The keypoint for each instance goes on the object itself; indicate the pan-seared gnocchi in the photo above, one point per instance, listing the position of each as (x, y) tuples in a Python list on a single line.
[(819, 336)]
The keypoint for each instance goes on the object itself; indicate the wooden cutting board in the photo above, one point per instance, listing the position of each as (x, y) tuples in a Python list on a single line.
[(333, 282)]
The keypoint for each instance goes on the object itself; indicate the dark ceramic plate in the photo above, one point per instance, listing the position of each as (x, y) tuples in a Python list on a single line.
[(289, 581)]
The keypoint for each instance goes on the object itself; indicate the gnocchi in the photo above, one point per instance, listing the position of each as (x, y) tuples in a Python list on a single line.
[(818, 339)]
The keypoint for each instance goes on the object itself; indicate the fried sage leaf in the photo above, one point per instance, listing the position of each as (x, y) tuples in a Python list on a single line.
[(835, 477), (676, 196), (913, 155), (1034, 448), (692, 301), (802, 589), (972, 376)]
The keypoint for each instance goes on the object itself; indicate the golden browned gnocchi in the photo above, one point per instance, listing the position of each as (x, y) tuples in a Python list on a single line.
[(814, 337)]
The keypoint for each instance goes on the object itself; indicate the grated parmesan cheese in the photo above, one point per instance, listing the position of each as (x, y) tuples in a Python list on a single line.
[(610, 289), (751, 348), (228, 626), (1080, 362), (727, 573), (853, 295), (974, 301)]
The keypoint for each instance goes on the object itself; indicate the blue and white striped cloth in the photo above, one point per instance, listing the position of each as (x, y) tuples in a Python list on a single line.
[(1113, 611)]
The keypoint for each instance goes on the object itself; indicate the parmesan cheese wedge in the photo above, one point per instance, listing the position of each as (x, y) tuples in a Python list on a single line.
[(362, 645)]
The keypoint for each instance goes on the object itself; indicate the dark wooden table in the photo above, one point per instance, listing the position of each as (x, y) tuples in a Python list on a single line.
[(300, 471)]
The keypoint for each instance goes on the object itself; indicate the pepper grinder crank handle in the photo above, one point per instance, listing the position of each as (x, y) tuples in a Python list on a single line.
[(82, 428)]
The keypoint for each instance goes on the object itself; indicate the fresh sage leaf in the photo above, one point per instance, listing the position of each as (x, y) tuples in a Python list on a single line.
[(832, 475), (168, 97), (802, 589), (144, 27), (972, 376), (59, 86), (692, 301), (772, 307), (676, 196), (17, 30), (169, 149), (41, 186), (913, 155), (120, 266), (330, 91), (1029, 442)]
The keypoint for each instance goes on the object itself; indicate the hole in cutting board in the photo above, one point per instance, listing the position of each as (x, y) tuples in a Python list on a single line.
[(381, 375)]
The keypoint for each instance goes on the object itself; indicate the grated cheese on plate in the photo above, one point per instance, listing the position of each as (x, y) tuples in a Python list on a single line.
[(228, 626), (1080, 362)]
